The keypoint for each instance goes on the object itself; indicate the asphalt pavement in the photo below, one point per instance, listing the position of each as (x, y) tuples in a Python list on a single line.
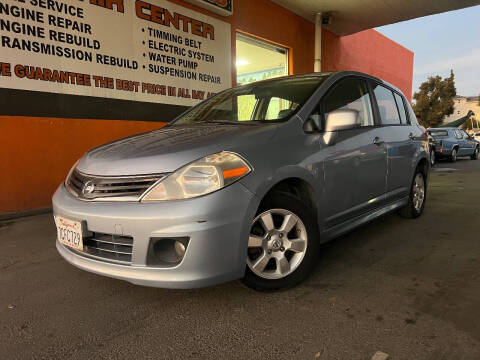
[(407, 288)]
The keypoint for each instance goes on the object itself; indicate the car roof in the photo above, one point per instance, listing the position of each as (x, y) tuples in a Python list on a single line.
[(338, 74)]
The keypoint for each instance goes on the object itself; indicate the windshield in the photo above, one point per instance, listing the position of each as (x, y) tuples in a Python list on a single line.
[(438, 133), (265, 102)]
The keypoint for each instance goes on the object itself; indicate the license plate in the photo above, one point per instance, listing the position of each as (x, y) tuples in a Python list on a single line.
[(69, 232)]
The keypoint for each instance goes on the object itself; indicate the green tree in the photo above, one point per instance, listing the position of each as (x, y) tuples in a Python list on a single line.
[(434, 100)]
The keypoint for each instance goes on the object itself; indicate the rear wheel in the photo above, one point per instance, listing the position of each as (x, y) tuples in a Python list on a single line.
[(283, 244), (432, 157), (418, 195), (475, 154), (453, 157)]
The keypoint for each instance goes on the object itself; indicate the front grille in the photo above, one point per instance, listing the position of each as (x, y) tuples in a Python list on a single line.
[(115, 248), (90, 187)]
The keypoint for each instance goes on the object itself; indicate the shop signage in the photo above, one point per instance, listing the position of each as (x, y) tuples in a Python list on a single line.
[(151, 51), (222, 7)]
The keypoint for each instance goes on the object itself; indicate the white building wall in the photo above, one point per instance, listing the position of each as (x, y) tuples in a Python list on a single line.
[(462, 106)]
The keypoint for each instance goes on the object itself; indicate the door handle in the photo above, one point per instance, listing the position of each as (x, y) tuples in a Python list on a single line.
[(377, 141), (411, 136)]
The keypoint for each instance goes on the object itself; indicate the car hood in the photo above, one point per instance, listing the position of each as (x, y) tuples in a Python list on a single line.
[(167, 149)]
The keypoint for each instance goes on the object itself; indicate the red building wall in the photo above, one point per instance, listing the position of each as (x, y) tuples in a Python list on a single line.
[(37, 152), (372, 53)]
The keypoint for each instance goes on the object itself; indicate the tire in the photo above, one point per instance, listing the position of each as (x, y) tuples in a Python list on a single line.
[(413, 210), (453, 157), (475, 154), (432, 157), (272, 248)]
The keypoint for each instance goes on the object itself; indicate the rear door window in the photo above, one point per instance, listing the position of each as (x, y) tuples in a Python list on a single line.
[(387, 106)]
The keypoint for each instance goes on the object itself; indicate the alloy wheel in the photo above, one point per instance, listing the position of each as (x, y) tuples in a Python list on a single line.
[(277, 244), (454, 154), (432, 157), (418, 192)]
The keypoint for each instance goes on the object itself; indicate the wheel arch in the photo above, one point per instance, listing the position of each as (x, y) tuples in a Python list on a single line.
[(424, 166), (421, 157), (290, 178), (296, 186)]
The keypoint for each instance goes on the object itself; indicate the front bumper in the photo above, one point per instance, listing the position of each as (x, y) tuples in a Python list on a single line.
[(217, 225)]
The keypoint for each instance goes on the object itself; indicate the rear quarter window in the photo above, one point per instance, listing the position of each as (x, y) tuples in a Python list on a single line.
[(439, 133), (411, 115), (401, 108)]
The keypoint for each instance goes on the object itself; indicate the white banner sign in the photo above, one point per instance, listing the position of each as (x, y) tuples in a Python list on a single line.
[(153, 51)]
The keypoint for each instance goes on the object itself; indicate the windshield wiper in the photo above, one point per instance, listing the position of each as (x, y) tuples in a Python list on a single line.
[(226, 122)]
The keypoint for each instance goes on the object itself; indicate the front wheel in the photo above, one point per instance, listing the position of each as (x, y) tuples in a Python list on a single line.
[(475, 154), (418, 195), (283, 244)]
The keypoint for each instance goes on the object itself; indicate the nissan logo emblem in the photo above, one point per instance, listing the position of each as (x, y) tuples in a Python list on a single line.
[(88, 188)]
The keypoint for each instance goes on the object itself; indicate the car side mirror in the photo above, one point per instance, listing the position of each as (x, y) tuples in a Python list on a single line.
[(312, 124), (342, 119)]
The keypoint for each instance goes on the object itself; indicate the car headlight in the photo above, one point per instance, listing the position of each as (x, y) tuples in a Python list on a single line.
[(200, 177)]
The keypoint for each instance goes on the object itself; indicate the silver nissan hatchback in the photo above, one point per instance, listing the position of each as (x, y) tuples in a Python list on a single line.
[(245, 185)]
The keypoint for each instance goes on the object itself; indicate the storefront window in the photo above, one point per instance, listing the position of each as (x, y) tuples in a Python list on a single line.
[(259, 60)]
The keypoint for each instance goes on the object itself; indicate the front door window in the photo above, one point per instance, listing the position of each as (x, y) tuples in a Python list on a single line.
[(352, 94)]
